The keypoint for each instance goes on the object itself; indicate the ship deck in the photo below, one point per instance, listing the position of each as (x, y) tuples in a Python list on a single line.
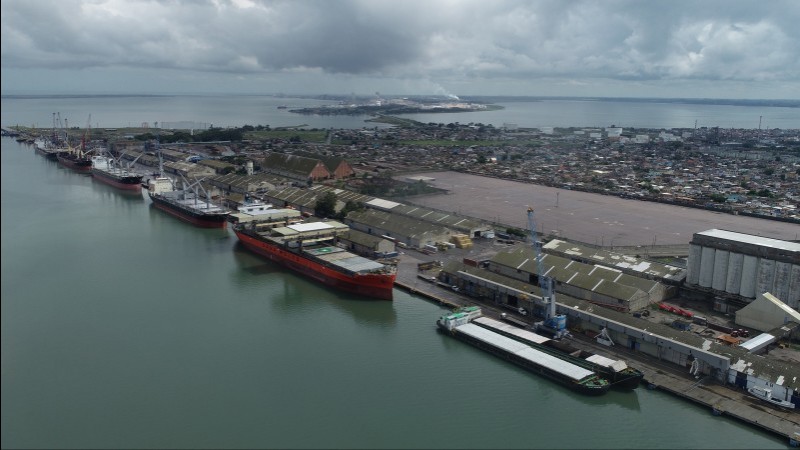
[(534, 338), (563, 368), (196, 205), (116, 172), (528, 336), (343, 259)]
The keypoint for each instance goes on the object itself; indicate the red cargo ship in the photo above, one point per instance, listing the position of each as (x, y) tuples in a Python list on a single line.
[(308, 248)]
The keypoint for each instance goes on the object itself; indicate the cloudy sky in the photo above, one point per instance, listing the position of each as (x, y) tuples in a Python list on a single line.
[(619, 48)]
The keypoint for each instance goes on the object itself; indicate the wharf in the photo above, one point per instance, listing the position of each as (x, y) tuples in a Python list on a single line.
[(707, 392)]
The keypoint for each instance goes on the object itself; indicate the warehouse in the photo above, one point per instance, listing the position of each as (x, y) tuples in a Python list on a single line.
[(597, 284), (741, 266), (631, 265), (406, 231), (766, 313)]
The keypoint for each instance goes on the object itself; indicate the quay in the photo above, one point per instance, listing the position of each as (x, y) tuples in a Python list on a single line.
[(658, 375)]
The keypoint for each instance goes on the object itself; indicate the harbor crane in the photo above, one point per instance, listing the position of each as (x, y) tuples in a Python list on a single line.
[(554, 324)]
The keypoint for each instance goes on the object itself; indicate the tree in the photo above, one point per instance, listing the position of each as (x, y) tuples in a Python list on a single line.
[(351, 205), (326, 205)]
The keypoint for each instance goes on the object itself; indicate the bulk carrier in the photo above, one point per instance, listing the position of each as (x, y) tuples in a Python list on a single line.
[(107, 170), (310, 249), (75, 160), (185, 203), (459, 325)]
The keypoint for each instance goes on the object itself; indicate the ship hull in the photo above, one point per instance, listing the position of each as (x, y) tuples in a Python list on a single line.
[(76, 164), (196, 219), (52, 155), (377, 286), (626, 379), (524, 363), (128, 183)]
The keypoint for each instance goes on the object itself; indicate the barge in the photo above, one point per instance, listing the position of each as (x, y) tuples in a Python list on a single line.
[(579, 379), (617, 372)]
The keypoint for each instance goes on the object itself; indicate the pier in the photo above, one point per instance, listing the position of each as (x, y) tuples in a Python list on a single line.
[(658, 375)]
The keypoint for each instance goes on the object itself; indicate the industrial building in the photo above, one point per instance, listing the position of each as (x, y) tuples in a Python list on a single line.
[(406, 231), (766, 313), (740, 266), (597, 284), (457, 223), (410, 226), (632, 265)]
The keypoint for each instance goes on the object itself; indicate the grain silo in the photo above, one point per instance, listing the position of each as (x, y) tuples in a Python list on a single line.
[(744, 265)]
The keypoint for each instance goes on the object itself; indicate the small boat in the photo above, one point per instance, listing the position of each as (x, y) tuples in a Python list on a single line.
[(766, 394)]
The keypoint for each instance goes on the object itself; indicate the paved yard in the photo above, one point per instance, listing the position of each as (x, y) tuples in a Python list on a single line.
[(586, 217)]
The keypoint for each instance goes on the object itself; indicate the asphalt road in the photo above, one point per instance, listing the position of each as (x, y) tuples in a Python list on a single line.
[(591, 218)]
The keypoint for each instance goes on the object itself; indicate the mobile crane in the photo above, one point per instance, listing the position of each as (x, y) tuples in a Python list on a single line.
[(553, 324)]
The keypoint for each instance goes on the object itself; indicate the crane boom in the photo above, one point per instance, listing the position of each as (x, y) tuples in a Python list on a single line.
[(553, 322), (545, 282)]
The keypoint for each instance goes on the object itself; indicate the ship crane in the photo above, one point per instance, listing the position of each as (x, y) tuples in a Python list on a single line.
[(555, 324)]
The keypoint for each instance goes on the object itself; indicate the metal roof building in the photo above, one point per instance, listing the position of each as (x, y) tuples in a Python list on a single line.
[(741, 266), (602, 285), (765, 313), (628, 264)]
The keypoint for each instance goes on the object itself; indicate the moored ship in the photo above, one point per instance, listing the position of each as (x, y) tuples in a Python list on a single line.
[(75, 160), (617, 372), (185, 203), (107, 170), (310, 249), (46, 149), (577, 378)]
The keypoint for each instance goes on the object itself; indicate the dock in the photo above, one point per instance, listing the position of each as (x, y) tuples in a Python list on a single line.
[(658, 375)]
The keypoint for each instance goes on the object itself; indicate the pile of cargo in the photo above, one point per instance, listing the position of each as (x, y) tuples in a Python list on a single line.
[(461, 241)]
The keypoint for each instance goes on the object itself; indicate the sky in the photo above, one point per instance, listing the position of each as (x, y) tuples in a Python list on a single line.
[(730, 49)]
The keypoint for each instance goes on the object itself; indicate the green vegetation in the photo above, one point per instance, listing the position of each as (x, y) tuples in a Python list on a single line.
[(317, 136), (396, 121), (326, 205), (517, 232)]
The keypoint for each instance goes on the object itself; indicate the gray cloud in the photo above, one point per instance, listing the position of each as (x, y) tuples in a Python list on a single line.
[(412, 42)]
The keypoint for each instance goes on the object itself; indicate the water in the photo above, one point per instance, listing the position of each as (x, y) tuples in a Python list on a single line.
[(223, 111), (123, 327)]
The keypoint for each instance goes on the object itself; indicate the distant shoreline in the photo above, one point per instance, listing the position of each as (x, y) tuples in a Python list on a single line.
[(779, 103)]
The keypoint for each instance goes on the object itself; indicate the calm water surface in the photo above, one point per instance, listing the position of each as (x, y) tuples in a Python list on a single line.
[(125, 328), (239, 110)]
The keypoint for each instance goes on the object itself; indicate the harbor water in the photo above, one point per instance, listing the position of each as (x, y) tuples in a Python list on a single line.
[(239, 110), (123, 327)]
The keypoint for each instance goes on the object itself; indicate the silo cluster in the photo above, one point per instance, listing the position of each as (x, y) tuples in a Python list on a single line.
[(745, 265)]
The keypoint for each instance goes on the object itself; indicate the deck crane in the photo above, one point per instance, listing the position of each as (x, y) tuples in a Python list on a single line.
[(555, 324)]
